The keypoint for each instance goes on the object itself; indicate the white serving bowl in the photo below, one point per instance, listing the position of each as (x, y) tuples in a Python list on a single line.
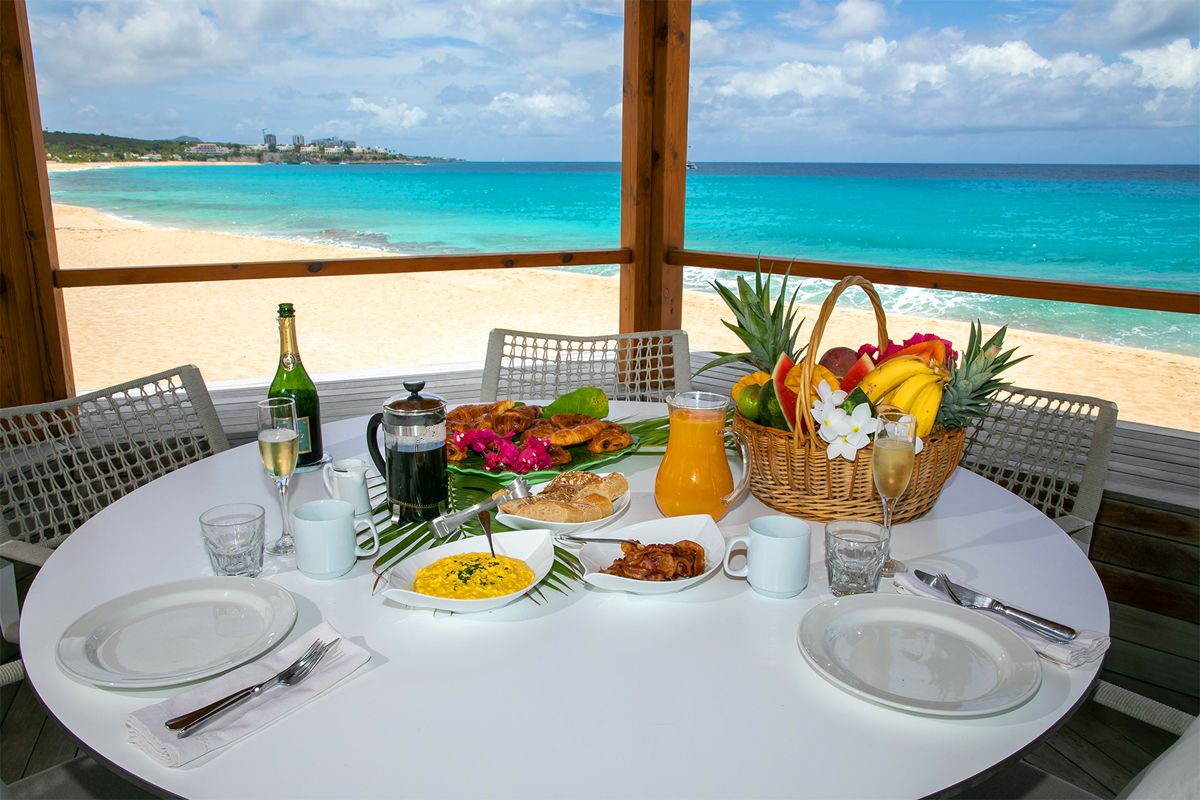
[(700, 528), (535, 548)]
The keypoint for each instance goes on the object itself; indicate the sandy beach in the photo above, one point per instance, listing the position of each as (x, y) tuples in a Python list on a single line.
[(383, 322)]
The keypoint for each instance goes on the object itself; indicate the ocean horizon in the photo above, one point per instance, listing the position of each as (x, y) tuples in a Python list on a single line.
[(1131, 225)]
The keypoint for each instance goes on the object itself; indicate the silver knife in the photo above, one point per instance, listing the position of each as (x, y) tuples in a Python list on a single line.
[(974, 599)]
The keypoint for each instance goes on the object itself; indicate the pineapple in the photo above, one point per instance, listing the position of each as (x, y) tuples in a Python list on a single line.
[(767, 331), (974, 379)]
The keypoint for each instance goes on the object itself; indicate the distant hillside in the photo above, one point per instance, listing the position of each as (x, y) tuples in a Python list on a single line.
[(102, 147), (77, 147)]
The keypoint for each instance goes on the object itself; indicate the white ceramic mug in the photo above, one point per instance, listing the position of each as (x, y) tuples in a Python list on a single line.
[(326, 534), (346, 479), (777, 550)]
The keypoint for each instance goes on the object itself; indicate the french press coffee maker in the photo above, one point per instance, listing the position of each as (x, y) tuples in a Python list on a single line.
[(414, 441)]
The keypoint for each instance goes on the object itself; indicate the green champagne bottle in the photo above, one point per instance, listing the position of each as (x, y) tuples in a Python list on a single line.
[(291, 380)]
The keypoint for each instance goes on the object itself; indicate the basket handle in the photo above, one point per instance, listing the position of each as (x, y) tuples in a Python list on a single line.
[(803, 410)]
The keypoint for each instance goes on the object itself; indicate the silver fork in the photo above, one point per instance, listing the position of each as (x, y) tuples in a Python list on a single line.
[(187, 724)]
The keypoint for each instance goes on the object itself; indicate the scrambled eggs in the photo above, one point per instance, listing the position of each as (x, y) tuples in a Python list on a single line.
[(473, 576)]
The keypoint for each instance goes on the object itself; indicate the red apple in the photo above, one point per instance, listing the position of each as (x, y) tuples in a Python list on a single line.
[(839, 360)]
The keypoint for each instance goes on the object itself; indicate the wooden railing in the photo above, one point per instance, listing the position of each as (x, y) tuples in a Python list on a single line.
[(125, 276), (1062, 291), (1039, 289)]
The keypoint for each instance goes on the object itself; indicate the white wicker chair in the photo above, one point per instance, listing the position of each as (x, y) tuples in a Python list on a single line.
[(60, 464), (1051, 449), (648, 365)]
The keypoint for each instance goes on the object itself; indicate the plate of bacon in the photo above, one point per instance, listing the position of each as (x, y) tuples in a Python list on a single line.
[(666, 555), (494, 439)]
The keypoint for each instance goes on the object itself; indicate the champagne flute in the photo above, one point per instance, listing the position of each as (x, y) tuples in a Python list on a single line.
[(278, 444), (892, 466)]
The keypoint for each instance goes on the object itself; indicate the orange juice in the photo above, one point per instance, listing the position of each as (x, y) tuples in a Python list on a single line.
[(694, 477)]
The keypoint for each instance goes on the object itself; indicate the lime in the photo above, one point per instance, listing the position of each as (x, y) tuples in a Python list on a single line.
[(747, 402)]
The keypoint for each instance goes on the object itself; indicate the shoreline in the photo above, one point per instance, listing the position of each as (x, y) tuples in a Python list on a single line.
[(382, 322)]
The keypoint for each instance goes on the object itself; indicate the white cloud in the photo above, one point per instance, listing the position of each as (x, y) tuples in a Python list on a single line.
[(556, 102), (1010, 58), (1174, 66), (808, 81), (614, 112), (1126, 23), (140, 42), (391, 114), (855, 19), (942, 83)]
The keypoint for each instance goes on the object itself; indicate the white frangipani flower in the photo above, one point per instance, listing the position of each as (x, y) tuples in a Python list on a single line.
[(827, 394), (845, 433)]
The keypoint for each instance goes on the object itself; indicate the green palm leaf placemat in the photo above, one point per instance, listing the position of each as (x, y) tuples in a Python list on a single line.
[(470, 486)]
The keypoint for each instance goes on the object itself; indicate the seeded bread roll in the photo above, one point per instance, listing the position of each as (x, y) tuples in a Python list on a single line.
[(550, 510)]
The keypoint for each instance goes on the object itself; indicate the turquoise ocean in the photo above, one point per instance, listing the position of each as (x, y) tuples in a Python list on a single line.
[(1119, 225)]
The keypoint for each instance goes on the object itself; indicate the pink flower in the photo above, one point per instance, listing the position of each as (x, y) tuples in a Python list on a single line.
[(916, 338)]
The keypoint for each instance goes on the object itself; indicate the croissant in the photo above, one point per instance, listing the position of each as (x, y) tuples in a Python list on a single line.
[(573, 429), (612, 437), (508, 422)]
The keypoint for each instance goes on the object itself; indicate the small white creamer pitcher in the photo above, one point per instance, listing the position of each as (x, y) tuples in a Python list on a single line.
[(346, 479)]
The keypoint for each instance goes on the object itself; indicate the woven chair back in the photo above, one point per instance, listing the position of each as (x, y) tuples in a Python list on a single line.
[(649, 365), (1050, 449), (62, 462)]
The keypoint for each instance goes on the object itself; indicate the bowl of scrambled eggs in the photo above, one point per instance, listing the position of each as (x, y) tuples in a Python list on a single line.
[(463, 576)]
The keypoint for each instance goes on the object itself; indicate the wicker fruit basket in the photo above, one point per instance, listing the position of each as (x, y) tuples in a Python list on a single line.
[(791, 472)]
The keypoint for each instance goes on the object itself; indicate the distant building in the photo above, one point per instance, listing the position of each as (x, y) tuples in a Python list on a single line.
[(269, 139), (333, 141), (207, 149), (297, 140)]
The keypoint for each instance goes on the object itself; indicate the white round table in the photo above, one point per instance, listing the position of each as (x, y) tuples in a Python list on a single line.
[(700, 694)]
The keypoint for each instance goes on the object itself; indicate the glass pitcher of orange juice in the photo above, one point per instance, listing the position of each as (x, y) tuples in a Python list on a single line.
[(694, 477)]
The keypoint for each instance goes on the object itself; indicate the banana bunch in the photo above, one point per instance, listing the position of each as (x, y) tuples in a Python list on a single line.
[(911, 383)]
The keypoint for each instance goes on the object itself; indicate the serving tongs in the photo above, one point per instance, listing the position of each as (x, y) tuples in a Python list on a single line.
[(448, 523)]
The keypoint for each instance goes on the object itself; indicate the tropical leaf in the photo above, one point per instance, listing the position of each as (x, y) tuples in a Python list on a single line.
[(767, 329), (399, 541)]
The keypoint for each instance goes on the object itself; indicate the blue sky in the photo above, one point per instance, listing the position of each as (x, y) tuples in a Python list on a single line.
[(1095, 81)]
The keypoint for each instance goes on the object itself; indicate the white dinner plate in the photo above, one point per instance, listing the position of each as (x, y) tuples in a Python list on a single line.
[(535, 548), (176, 632), (919, 655), (526, 523), (700, 528)]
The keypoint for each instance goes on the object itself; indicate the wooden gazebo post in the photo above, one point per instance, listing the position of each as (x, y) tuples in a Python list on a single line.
[(654, 160), (35, 357)]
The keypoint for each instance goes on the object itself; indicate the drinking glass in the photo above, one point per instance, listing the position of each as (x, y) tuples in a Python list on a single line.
[(233, 536), (892, 465), (278, 444), (854, 554)]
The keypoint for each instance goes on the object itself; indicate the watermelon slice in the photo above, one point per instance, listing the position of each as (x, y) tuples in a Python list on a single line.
[(787, 398), (859, 371)]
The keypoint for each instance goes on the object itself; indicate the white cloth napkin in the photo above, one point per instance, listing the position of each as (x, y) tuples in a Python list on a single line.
[(146, 725), (1086, 646)]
